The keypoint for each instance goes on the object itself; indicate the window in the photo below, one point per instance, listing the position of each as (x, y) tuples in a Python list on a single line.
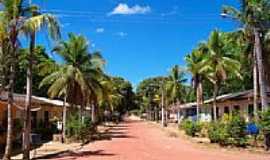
[(236, 108), (217, 112), (46, 117), (34, 119), (250, 110), (226, 110), (259, 107)]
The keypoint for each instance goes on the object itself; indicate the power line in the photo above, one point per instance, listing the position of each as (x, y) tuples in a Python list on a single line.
[(141, 19)]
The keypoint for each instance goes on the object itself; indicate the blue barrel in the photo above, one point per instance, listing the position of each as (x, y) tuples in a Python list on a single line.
[(252, 129)]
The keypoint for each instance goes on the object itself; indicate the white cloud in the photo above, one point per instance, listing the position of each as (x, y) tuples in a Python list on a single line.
[(174, 11), (93, 45), (100, 30), (123, 8), (121, 34), (65, 25)]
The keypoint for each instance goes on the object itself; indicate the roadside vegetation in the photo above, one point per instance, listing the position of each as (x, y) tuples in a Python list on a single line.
[(226, 62), (80, 80)]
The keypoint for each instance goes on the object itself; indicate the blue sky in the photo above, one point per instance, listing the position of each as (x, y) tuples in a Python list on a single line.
[(140, 38)]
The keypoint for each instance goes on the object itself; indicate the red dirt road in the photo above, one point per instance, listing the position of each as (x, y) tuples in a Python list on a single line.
[(137, 140)]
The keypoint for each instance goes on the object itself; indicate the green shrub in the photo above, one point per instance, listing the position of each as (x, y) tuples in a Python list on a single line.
[(264, 121), (237, 130), (79, 130), (191, 128), (217, 133), (230, 130)]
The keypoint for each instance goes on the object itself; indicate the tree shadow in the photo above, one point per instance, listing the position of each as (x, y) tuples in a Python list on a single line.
[(117, 131), (70, 155)]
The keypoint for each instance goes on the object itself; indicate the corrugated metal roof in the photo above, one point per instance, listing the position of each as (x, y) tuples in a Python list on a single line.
[(35, 99), (244, 94)]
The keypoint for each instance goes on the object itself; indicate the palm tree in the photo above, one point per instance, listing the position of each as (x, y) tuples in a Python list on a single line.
[(109, 93), (219, 63), (34, 23), (195, 64), (13, 16), (254, 16), (78, 78), (173, 86)]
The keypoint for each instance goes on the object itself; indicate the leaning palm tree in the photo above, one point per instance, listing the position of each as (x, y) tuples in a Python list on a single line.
[(254, 16), (219, 63), (35, 22), (195, 64)]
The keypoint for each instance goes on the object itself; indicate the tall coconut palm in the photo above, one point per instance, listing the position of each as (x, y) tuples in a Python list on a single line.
[(174, 84), (254, 16), (13, 16), (219, 64), (35, 22), (78, 78), (195, 64)]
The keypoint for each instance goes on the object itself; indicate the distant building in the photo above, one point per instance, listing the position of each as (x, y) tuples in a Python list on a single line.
[(241, 101)]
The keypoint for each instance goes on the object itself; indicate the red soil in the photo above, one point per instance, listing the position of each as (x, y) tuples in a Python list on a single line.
[(137, 140)]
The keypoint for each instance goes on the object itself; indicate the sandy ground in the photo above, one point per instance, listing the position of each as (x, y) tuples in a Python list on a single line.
[(138, 140)]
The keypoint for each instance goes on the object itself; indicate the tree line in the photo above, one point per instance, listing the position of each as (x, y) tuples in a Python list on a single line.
[(78, 80), (224, 63)]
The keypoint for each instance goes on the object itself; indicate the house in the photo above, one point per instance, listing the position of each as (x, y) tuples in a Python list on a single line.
[(43, 112), (241, 101)]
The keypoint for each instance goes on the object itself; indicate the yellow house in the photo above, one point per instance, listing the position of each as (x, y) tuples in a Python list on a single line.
[(43, 110)]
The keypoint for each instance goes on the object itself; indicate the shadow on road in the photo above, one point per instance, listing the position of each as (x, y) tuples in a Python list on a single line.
[(117, 131), (70, 155)]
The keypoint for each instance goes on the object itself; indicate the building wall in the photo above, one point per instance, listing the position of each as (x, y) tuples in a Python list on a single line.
[(55, 112), (231, 104)]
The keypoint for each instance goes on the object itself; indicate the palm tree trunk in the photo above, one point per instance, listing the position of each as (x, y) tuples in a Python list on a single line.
[(255, 85), (199, 98), (162, 110), (28, 101), (64, 120), (8, 147), (93, 113), (259, 57), (215, 101)]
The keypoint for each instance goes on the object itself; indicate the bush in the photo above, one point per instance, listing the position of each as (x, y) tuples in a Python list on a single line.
[(191, 128), (265, 127), (217, 133), (80, 130), (264, 121), (237, 130), (230, 130)]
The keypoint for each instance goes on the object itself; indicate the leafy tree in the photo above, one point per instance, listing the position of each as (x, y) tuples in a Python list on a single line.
[(44, 65), (254, 16), (219, 63), (195, 65), (78, 78), (174, 84)]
